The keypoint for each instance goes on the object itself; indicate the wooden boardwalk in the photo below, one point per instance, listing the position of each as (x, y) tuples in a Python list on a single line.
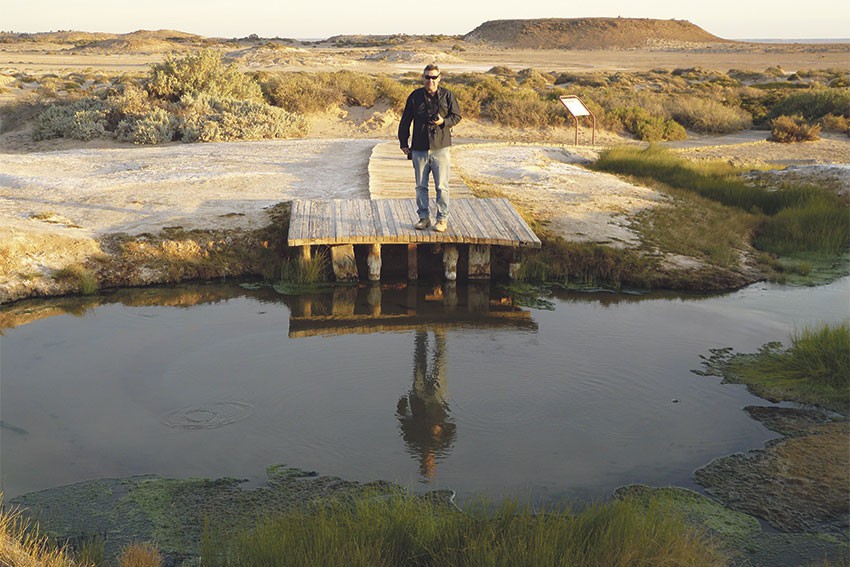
[(390, 221), (388, 218), (391, 176)]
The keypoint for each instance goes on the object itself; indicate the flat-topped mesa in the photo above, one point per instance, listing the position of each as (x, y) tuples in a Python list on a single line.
[(589, 33)]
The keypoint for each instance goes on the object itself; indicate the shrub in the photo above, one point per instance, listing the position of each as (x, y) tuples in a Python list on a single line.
[(154, 127), (207, 119), (201, 72), (302, 93), (787, 129), (83, 119), (647, 127), (814, 104), (833, 123), (708, 115), (521, 108), (395, 93)]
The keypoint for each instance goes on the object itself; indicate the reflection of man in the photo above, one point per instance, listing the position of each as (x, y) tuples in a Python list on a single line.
[(423, 413), (433, 110)]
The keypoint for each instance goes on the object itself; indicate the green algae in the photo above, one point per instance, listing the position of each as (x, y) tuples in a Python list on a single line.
[(739, 534), (173, 512)]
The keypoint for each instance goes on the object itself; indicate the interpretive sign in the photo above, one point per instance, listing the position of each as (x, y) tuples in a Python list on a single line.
[(577, 108)]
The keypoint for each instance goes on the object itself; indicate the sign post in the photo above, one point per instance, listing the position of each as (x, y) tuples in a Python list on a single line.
[(577, 108)]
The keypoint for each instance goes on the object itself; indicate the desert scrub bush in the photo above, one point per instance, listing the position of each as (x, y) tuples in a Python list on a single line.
[(15, 114), (814, 103), (707, 115), (833, 123), (156, 126), (83, 119), (208, 119), (533, 79), (302, 93), (394, 92), (201, 72), (647, 127), (521, 108), (788, 129)]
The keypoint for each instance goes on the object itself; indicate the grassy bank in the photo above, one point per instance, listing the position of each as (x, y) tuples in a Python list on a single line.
[(407, 531), (717, 214), (815, 369)]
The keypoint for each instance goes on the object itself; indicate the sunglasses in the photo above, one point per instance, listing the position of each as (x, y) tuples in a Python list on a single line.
[(431, 77)]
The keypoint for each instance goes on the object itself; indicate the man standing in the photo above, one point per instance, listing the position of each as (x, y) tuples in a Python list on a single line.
[(433, 111)]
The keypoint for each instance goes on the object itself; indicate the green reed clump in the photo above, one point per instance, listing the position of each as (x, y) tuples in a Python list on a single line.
[(402, 530), (303, 271), (584, 263), (815, 369), (795, 218), (83, 277)]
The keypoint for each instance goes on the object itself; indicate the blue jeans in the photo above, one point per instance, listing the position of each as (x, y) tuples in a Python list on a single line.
[(438, 163)]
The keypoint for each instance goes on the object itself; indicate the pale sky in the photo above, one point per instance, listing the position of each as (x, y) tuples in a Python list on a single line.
[(730, 19)]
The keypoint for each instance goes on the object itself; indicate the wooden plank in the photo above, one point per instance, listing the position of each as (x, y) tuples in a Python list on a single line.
[(471, 221), (500, 208), (491, 221), (481, 223), (525, 234), (296, 222), (476, 227)]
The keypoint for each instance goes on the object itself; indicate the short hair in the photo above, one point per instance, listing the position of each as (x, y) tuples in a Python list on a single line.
[(430, 67)]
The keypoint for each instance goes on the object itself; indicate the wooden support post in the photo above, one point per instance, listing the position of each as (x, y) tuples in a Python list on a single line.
[(450, 261), (374, 262), (479, 261), (344, 264), (373, 300), (412, 267), (513, 270), (304, 252)]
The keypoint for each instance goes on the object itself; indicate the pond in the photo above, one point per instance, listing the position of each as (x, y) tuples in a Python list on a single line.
[(434, 387)]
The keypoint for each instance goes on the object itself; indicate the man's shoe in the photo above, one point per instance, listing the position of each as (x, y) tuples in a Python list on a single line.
[(422, 224), (441, 226)]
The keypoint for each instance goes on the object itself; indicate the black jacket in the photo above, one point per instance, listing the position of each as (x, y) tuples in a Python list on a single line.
[(418, 109)]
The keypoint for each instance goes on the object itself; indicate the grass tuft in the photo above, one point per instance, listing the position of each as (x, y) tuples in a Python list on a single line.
[(402, 530), (815, 369)]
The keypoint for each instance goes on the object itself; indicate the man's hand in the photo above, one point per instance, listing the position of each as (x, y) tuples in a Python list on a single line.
[(439, 121), (406, 151)]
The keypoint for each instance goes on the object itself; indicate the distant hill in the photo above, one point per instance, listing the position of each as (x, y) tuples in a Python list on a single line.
[(590, 33)]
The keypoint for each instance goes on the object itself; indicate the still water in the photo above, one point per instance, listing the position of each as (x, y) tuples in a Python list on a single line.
[(431, 387)]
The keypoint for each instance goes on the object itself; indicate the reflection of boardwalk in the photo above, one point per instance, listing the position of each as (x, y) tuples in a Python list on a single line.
[(352, 310)]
